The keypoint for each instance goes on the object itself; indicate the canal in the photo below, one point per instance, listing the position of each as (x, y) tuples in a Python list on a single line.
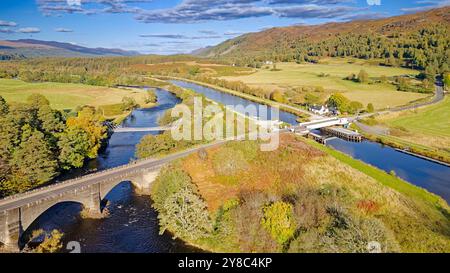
[(426, 174)]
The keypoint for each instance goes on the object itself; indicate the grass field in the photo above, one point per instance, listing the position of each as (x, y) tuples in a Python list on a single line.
[(67, 96), (428, 126), (293, 75)]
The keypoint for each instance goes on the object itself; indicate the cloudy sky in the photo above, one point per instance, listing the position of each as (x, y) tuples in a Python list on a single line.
[(178, 26)]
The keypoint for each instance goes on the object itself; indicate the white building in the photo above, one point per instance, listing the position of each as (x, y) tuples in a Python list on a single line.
[(319, 110)]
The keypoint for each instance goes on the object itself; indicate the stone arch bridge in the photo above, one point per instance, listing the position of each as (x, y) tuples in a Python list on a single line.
[(19, 211)]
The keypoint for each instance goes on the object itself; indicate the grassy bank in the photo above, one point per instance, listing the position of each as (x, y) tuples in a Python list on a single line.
[(303, 197), (399, 143), (384, 178), (424, 131)]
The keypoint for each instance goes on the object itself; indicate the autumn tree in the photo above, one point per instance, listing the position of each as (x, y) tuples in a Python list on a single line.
[(277, 96), (354, 107), (279, 221), (311, 99), (51, 243), (339, 102), (370, 108), (91, 123), (363, 77)]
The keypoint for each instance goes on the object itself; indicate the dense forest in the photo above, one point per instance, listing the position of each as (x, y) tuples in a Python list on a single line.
[(427, 49), (419, 41), (4, 56), (37, 142), (108, 71)]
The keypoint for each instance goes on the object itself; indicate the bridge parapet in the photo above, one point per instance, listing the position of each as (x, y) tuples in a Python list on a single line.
[(26, 208)]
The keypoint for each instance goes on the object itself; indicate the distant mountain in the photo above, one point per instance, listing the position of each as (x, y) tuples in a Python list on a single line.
[(37, 48), (283, 40)]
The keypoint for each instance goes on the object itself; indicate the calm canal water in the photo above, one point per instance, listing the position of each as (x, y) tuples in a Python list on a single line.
[(133, 225), (429, 175), (426, 174), (228, 99)]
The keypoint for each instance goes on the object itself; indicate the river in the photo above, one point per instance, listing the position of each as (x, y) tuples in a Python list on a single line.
[(133, 225)]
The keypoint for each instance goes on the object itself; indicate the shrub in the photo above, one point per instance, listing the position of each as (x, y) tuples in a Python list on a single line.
[(251, 235), (352, 234), (363, 77), (151, 96), (129, 104), (184, 213), (277, 96), (169, 182), (278, 220), (52, 242)]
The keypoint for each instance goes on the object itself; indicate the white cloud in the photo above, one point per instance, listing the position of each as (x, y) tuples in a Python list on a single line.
[(29, 30), (374, 2), (60, 29), (7, 24), (74, 2)]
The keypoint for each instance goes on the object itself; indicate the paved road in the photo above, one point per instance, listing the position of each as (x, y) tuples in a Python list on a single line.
[(378, 130), (438, 97), (19, 200)]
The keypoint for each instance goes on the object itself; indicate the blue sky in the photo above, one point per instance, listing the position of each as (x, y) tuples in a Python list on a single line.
[(178, 26)]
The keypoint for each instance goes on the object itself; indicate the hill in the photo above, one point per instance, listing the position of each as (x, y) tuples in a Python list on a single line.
[(38, 48), (368, 39)]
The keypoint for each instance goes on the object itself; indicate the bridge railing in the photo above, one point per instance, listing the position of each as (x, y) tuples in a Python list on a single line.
[(76, 179), (87, 176)]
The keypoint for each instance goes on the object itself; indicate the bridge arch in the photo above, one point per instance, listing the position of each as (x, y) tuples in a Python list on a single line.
[(32, 213), (107, 187), (29, 225)]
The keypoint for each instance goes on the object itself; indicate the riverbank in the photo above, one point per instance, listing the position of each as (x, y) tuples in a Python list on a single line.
[(425, 152), (287, 108), (382, 177), (324, 176), (380, 135)]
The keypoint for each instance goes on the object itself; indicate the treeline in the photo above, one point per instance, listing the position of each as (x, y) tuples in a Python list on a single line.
[(4, 56), (108, 71), (37, 142), (426, 49)]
